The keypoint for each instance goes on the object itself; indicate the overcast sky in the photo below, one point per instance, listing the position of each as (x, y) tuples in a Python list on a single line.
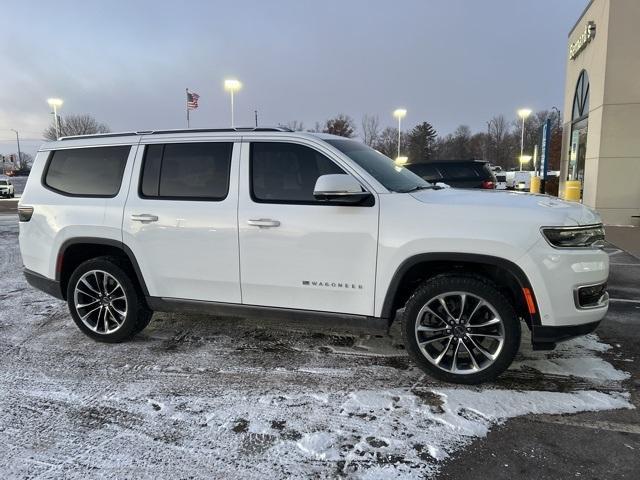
[(128, 63)]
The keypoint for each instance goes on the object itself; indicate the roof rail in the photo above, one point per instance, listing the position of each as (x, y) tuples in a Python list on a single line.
[(183, 130)]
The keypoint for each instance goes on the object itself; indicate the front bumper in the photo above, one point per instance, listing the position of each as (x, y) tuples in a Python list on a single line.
[(545, 337), (556, 274)]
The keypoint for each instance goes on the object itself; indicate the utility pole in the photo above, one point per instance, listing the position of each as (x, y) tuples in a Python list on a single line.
[(256, 114)]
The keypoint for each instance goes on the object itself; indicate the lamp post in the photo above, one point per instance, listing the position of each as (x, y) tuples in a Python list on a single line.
[(55, 103), (232, 86), (18, 142), (399, 113), (523, 113)]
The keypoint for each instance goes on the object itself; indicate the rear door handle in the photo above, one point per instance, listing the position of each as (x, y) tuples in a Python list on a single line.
[(144, 217), (263, 222)]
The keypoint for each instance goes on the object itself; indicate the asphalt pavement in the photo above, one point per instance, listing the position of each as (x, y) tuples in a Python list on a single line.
[(591, 445), (195, 396)]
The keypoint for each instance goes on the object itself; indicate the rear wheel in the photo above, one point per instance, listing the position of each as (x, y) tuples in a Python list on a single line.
[(104, 301), (461, 329)]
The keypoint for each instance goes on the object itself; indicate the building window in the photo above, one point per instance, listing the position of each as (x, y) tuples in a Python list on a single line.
[(579, 127), (581, 98)]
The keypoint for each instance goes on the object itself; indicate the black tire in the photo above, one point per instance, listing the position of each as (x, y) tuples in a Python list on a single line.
[(144, 318), (477, 287), (137, 315)]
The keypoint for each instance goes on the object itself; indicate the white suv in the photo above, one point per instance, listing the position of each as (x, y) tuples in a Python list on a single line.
[(287, 224), (6, 188)]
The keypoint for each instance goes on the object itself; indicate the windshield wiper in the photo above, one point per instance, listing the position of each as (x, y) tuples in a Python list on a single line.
[(420, 187)]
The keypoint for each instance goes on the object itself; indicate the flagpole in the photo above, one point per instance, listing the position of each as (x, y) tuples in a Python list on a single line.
[(187, 105)]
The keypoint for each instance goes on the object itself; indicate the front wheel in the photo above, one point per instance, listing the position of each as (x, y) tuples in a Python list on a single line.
[(461, 329), (104, 301)]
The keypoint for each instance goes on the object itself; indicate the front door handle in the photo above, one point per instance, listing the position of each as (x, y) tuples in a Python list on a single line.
[(263, 222), (144, 217)]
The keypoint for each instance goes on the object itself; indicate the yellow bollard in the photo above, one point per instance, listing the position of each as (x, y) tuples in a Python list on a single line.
[(572, 190), (535, 185)]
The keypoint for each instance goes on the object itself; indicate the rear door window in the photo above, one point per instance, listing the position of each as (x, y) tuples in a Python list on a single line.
[(186, 171), (91, 172)]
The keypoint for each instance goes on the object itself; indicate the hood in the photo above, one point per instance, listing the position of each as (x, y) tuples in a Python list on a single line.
[(545, 209)]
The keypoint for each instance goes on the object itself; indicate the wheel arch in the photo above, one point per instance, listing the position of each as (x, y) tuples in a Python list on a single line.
[(414, 270), (76, 250)]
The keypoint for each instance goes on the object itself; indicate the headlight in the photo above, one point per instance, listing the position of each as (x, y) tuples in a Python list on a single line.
[(591, 236)]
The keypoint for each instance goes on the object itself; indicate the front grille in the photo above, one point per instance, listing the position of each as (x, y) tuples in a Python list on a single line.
[(591, 296)]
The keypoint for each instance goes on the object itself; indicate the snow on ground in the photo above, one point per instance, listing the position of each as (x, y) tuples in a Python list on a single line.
[(195, 396)]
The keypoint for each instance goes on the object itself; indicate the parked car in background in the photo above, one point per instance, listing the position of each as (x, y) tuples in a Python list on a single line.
[(6, 188), (456, 173), (501, 180)]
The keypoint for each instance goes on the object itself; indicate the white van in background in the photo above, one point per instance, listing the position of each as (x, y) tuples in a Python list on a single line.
[(518, 180)]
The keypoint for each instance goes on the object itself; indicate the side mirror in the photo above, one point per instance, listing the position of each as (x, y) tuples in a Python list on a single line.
[(340, 188)]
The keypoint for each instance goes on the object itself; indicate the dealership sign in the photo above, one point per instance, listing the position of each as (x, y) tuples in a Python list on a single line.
[(585, 37)]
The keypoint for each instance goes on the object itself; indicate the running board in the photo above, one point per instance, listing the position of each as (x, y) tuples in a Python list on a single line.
[(288, 315)]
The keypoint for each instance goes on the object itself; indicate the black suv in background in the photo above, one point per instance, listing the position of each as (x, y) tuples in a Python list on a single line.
[(456, 173)]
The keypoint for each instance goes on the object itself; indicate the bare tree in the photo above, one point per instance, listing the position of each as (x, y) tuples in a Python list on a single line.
[(370, 129), (75, 125), (387, 142), (317, 128), (295, 125), (500, 143), (341, 125), (25, 164)]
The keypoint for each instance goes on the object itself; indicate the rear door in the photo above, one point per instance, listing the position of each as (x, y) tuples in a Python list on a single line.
[(296, 251), (180, 219)]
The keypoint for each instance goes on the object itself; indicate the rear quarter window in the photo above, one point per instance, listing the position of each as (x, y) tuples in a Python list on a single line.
[(459, 171), (90, 172)]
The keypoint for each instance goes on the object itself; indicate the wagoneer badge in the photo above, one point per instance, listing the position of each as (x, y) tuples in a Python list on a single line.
[(343, 285)]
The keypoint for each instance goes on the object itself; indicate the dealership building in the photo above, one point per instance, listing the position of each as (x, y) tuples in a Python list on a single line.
[(601, 135)]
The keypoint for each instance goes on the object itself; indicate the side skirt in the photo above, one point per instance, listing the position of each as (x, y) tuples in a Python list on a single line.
[(288, 315)]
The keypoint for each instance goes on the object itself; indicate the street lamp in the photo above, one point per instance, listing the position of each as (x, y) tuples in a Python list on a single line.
[(232, 86), (55, 103), (524, 159), (523, 113), (18, 142), (399, 113)]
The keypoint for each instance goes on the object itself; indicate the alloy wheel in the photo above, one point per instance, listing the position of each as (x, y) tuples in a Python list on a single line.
[(459, 332), (100, 302)]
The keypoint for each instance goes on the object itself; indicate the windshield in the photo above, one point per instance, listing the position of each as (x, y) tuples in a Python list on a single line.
[(380, 167), (4, 182)]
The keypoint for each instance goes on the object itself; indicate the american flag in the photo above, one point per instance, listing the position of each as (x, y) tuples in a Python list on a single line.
[(192, 100)]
